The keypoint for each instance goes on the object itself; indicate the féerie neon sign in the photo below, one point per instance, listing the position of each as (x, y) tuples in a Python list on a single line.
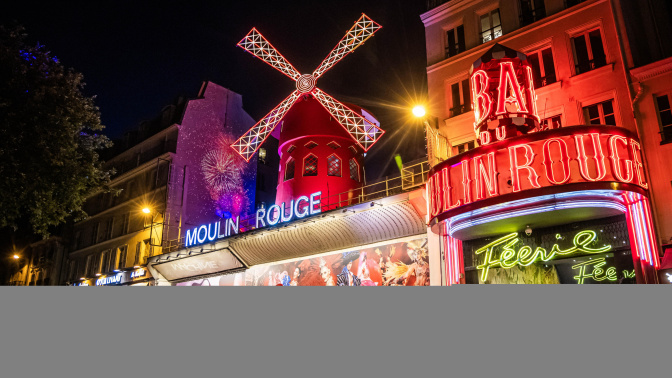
[(526, 256), (594, 269)]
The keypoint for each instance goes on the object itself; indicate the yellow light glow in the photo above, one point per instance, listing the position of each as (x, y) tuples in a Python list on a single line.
[(419, 111), (16, 257), (146, 210)]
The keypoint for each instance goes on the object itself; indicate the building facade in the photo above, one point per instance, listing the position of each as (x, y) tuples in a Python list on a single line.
[(582, 73)]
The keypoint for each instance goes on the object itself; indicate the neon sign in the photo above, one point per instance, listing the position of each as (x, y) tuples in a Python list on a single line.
[(593, 269), (138, 273), (598, 156), (302, 207), (526, 256), (109, 280), (212, 232), (502, 92)]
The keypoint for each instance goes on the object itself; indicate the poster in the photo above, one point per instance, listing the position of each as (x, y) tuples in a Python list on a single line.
[(395, 264)]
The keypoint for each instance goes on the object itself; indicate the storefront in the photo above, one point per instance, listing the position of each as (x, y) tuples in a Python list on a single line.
[(567, 205), (135, 277)]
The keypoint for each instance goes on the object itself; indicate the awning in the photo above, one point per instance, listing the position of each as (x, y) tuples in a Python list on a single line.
[(346, 227)]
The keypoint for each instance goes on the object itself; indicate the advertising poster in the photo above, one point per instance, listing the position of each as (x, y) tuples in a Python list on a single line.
[(395, 264)]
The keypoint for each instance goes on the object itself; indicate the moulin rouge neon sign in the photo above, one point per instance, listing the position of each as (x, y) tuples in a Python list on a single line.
[(508, 257), (302, 207), (579, 154)]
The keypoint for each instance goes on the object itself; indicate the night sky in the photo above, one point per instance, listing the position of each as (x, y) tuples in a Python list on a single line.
[(137, 58)]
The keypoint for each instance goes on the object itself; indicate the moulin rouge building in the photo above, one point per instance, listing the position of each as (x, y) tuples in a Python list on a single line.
[(539, 173)]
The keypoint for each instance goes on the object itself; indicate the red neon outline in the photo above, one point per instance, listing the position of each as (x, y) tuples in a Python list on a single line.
[(515, 168), (435, 197), (507, 76), (564, 159), (532, 98), (583, 159), (448, 191), (502, 135), (480, 95), (616, 159), (639, 167), (466, 181), (484, 135), (481, 176)]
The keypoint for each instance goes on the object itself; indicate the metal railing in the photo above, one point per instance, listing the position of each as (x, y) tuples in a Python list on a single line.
[(410, 178)]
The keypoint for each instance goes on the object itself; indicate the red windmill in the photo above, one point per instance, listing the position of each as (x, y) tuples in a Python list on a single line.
[(309, 134)]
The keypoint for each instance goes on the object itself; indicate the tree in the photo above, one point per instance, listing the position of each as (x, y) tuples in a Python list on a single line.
[(48, 137)]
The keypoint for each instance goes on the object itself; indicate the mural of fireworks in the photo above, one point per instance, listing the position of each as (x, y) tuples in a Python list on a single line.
[(221, 171)]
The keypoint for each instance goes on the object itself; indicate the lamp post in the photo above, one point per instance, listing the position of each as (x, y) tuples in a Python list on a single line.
[(148, 210), (437, 144)]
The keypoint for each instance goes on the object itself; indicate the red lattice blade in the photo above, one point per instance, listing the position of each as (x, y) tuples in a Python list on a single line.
[(248, 144), (257, 45), (363, 29), (365, 133)]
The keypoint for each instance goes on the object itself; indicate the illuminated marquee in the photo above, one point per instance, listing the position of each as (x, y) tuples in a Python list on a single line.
[(593, 155), (302, 207), (109, 280), (508, 257)]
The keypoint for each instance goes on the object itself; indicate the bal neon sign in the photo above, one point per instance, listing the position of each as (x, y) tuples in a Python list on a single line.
[(525, 256), (302, 207), (502, 91), (212, 232), (579, 154)]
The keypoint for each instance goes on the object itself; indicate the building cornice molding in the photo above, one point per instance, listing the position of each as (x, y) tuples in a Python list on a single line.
[(652, 70)]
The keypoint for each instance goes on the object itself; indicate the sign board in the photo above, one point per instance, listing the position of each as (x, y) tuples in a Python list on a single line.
[(198, 265)]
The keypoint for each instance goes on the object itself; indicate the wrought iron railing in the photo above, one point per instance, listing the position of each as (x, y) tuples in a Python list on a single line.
[(410, 178)]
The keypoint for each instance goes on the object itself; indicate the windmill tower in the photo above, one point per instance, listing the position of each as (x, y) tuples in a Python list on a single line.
[(322, 141)]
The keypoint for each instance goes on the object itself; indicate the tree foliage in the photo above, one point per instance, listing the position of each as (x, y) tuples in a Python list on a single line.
[(48, 137)]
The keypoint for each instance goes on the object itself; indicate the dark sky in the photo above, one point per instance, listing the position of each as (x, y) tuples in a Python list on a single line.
[(137, 57)]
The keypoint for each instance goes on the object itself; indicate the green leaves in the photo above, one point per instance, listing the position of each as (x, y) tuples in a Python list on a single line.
[(49, 138)]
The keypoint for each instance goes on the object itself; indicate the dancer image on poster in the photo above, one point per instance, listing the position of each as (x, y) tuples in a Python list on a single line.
[(363, 271), (285, 279), (271, 278), (398, 273), (325, 273), (295, 278), (347, 278)]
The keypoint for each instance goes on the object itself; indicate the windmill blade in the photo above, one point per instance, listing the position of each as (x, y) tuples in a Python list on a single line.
[(363, 29), (248, 144), (257, 45), (365, 133)]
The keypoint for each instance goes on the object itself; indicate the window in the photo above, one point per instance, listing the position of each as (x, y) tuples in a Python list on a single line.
[(600, 114), (310, 165), (543, 67), (354, 170), (588, 51), (108, 229), (455, 41), (94, 234), (549, 123), (77, 240), (464, 147), (289, 169), (333, 145), (310, 145), (531, 11), (665, 117), (291, 148), (104, 261), (491, 26), (334, 166), (460, 98), (262, 155), (126, 220), (88, 267), (353, 149), (121, 257)]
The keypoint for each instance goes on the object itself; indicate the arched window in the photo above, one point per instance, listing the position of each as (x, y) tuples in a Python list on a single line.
[(289, 169), (334, 166), (354, 170), (310, 165)]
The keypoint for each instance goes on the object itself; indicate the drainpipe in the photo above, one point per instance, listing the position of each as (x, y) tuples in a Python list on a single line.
[(617, 16)]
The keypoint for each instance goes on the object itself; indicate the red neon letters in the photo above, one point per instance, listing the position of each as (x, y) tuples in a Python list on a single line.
[(508, 83)]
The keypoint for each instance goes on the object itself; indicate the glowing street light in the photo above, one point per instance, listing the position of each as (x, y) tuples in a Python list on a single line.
[(419, 111), (146, 210), (16, 257)]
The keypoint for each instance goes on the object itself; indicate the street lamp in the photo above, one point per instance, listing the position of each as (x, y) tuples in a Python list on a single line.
[(16, 257), (437, 144), (146, 210)]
